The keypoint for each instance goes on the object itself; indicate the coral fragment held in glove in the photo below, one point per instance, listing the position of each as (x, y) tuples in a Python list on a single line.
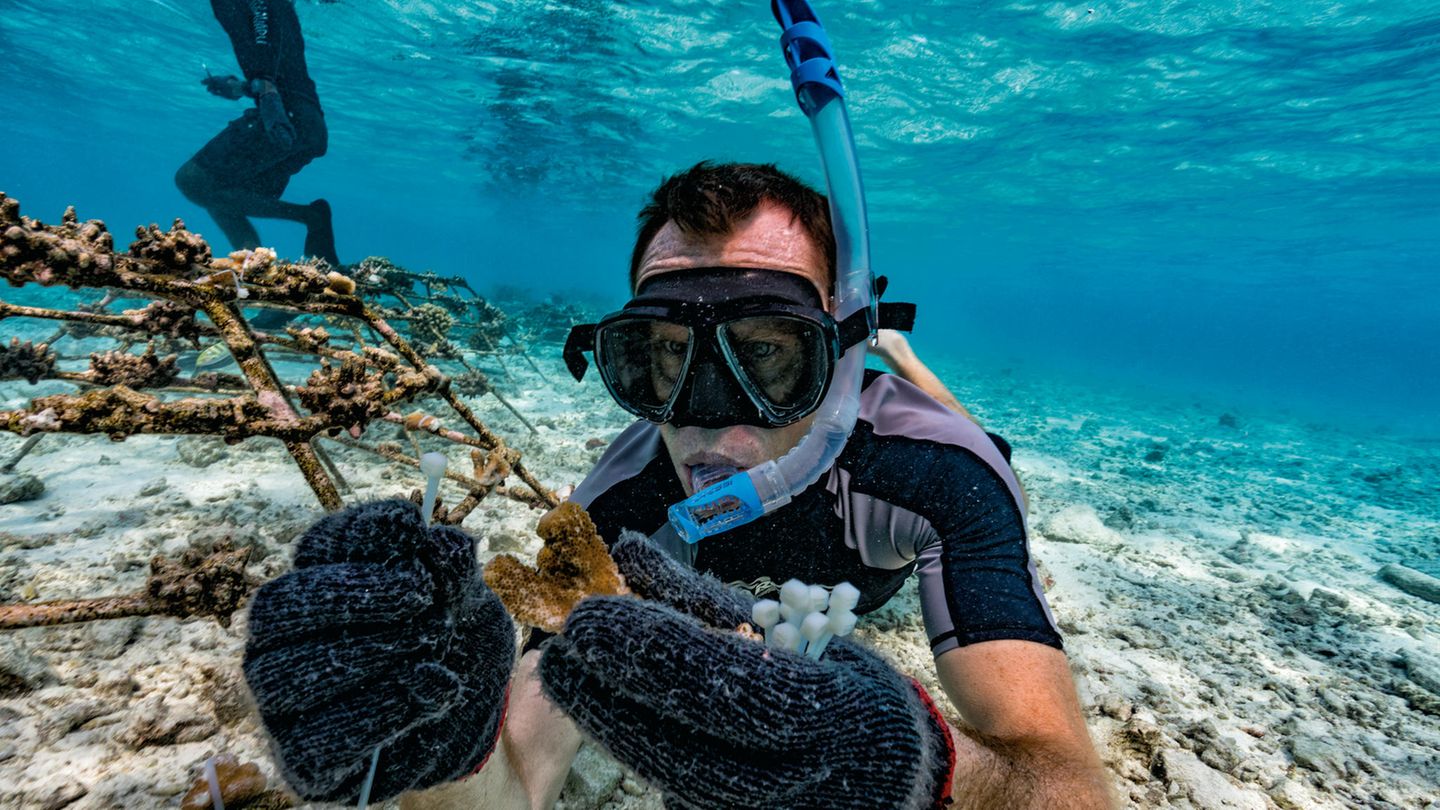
[(572, 565)]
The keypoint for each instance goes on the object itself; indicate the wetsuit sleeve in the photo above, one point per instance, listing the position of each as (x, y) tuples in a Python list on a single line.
[(249, 25), (977, 579), (945, 496)]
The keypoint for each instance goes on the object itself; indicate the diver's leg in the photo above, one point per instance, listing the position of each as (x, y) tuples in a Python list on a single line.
[(232, 208), (320, 233), (239, 174), (207, 191), (236, 227), (260, 206), (894, 349)]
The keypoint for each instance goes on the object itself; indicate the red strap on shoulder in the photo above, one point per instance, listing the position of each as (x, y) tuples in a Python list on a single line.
[(943, 797)]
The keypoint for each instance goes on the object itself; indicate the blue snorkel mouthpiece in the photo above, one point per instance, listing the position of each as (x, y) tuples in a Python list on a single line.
[(746, 496)]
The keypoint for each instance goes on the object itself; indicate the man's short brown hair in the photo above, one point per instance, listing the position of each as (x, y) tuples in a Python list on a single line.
[(710, 199)]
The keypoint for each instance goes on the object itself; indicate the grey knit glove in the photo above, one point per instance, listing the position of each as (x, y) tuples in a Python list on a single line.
[(383, 635), (716, 720)]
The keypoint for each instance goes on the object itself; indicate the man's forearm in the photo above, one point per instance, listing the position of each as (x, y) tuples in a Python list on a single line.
[(257, 87), (531, 759), (495, 786), (996, 773)]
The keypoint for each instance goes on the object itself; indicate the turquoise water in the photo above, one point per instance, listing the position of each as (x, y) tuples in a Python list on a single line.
[(1182, 253), (1238, 201)]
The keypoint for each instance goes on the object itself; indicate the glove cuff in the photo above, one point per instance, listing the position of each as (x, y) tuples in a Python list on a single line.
[(943, 749)]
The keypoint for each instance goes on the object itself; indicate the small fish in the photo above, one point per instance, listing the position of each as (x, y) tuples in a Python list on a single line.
[(216, 355)]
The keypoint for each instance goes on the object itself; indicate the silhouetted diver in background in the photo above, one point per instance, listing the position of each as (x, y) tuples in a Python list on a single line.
[(242, 172)]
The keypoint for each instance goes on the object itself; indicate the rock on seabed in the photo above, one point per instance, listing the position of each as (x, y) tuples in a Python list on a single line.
[(19, 488), (1412, 582)]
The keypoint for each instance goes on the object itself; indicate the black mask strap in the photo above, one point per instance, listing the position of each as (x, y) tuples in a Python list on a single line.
[(856, 328), (580, 340), (897, 315)]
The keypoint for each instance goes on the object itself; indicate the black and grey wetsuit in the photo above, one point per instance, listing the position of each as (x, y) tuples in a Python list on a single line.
[(268, 45), (918, 488)]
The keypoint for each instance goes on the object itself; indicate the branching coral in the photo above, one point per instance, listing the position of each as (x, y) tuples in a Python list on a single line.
[(169, 319), (120, 411), (454, 304), (572, 564), (381, 359), (176, 267), (146, 370), (175, 250), (381, 274), (26, 361), (64, 254), (494, 467), (431, 319), (470, 384), (310, 340), (292, 281), (489, 322), (349, 396), (442, 349)]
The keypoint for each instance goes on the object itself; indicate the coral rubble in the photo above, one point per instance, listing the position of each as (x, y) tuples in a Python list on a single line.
[(196, 584), (241, 785)]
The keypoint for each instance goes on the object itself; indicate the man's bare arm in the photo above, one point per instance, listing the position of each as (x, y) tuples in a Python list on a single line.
[(527, 770), (1025, 743)]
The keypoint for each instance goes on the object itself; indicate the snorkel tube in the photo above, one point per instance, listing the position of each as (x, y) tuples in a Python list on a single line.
[(748, 495)]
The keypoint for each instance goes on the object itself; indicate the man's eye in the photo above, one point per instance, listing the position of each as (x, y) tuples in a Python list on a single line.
[(760, 350), (672, 347)]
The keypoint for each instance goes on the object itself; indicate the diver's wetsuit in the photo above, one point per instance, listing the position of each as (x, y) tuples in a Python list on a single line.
[(268, 45), (917, 488)]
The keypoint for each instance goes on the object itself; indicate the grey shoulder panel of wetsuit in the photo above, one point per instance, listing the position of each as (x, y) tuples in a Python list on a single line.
[(886, 535), (896, 407), (625, 458)]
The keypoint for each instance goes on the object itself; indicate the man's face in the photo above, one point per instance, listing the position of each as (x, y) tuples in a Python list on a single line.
[(768, 239)]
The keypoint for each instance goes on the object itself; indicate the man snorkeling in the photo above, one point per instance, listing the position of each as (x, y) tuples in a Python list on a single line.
[(242, 172), (385, 643)]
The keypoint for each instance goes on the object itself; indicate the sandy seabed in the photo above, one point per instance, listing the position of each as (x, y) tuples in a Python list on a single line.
[(1214, 574)]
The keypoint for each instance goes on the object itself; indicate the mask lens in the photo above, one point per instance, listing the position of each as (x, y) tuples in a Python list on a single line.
[(643, 361), (783, 360)]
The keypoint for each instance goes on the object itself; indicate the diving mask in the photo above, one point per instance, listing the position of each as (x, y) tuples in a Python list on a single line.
[(716, 347)]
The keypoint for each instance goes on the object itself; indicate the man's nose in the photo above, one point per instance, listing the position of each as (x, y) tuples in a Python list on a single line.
[(715, 399)]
